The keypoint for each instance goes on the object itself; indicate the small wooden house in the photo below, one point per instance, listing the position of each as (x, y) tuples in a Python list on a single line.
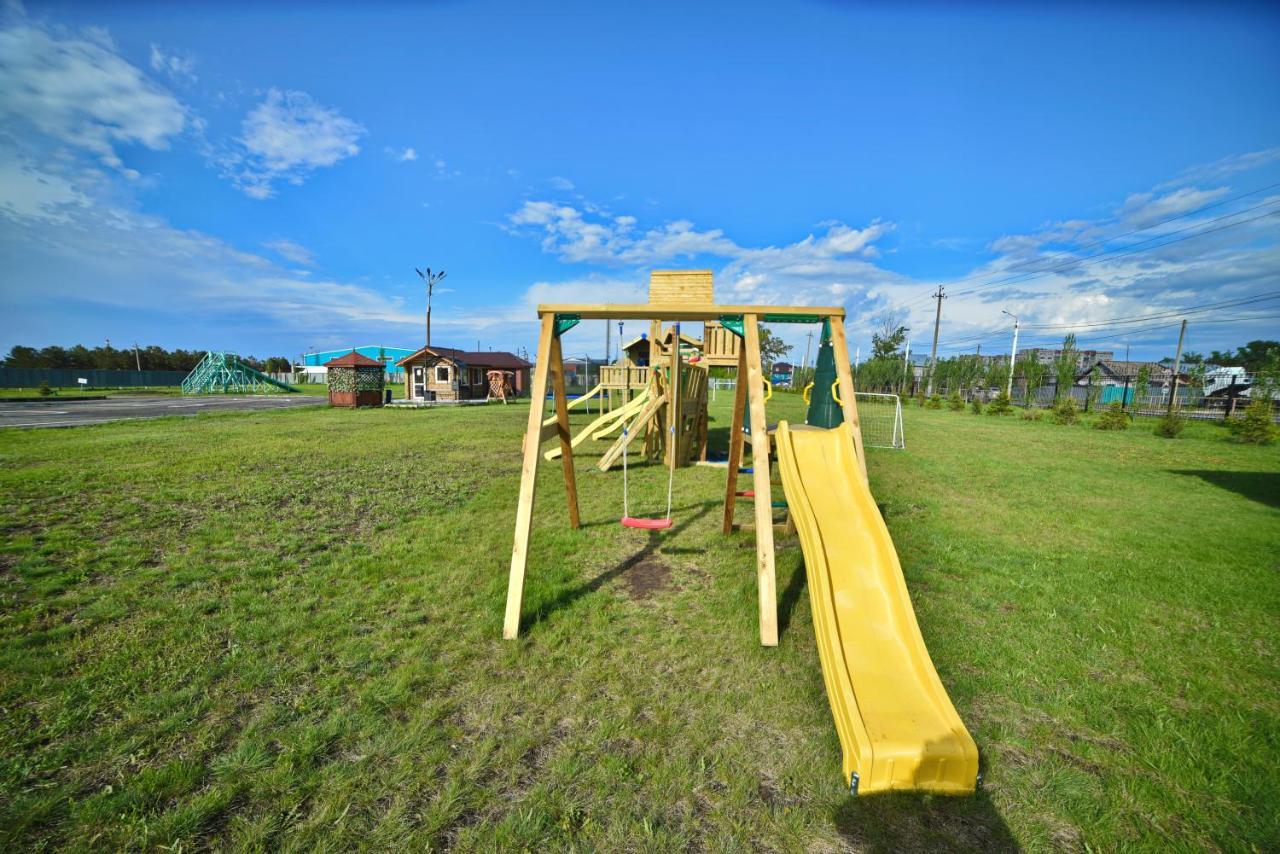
[(355, 380), (446, 374)]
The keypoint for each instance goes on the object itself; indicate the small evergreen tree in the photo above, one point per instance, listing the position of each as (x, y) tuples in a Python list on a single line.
[(1065, 411), (1113, 418), (1170, 426), (976, 406), (956, 402), (45, 390), (1000, 405), (1256, 427), (935, 401)]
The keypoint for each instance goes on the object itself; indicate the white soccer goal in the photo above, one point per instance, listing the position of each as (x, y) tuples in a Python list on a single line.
[(881, 417)]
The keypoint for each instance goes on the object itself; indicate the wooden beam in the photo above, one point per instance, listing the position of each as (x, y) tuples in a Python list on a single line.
[(528, 479), (562, 424), (766, 582), (674, 427), (735, 440), (683, 311), (848, 395)]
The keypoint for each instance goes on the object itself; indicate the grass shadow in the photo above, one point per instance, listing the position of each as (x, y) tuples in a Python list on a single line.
[(1260, 486), (653, 544), (791, 595), (895, 822)]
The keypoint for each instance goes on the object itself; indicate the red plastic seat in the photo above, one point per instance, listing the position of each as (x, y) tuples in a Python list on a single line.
[(646, 524)]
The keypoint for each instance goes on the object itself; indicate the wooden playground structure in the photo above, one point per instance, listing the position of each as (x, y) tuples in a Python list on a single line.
[(667, 401)]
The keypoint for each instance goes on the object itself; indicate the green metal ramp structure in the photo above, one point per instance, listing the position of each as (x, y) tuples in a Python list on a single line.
[(224, 373)]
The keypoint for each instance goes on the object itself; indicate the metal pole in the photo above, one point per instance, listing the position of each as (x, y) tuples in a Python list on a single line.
[(805, 364), (1177, 365), (937, 321), (137, 360), (906, 366), (1013, 355)]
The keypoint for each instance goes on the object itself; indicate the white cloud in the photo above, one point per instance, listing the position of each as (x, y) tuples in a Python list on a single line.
[(404, 155), (27, 193), (839, 265), (140, 262), (291, 251), (558, 183), (79, 91), (287, 137), (1143, 209), (179, 67), (1226, 166)]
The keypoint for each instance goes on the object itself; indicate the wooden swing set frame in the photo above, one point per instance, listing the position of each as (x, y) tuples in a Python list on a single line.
[(744, 320)]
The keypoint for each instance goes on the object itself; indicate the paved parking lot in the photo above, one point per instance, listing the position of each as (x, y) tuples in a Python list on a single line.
[(74, 413)]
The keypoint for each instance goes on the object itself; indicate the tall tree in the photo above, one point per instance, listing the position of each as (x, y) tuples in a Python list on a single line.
[(772, 348), (1065, 366)]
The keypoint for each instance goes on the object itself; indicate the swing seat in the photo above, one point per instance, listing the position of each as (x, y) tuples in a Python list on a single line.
[(645, 524)]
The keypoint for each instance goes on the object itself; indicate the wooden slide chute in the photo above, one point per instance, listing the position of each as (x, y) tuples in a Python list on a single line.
[(601, 427)]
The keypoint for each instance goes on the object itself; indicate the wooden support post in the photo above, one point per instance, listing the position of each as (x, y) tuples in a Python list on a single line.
[(674, 428), (562, 425), (528, 479), (848, 395), (735, 440), (766, 582)]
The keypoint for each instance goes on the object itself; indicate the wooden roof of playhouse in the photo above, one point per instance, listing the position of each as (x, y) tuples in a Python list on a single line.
[(474, 358), (354, 360)]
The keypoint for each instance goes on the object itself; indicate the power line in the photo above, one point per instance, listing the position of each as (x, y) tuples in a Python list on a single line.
[(1115, 237), (1236, 302), (1133, 249)]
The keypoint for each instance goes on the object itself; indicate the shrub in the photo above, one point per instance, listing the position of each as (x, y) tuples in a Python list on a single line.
[(1065, 411), (919, 396), (1000, 405), (1170, 426), (1256, 427), (935, 401), (976, 406), (45, 391), (955, 402), (1113, 418), (1032, 414)]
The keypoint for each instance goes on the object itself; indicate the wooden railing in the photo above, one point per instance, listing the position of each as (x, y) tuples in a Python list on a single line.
[(624, 376)]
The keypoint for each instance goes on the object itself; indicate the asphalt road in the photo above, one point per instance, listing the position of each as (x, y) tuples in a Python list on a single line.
[(74, 413)]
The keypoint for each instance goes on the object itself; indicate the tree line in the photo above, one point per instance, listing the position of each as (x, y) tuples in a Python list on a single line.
[(887, 369), (105, 358)]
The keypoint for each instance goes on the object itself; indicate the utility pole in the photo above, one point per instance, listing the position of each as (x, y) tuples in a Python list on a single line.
[(431, 279), (937, 321), (137, 360), (906, 366), (1013, 355), (807, 344), (1177, 365)]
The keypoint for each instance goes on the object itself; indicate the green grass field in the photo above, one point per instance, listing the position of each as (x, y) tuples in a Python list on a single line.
[(282, 630)]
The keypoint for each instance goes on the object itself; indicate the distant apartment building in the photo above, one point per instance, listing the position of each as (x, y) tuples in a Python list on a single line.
[(1085, 359)]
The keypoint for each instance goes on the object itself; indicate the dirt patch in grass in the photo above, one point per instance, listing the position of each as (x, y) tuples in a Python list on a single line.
[(647, 577)]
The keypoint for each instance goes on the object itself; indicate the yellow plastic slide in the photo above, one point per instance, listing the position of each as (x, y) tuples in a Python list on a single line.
[(897, 727)]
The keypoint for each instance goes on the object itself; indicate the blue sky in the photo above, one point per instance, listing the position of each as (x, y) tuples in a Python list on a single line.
[(265, 178)]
